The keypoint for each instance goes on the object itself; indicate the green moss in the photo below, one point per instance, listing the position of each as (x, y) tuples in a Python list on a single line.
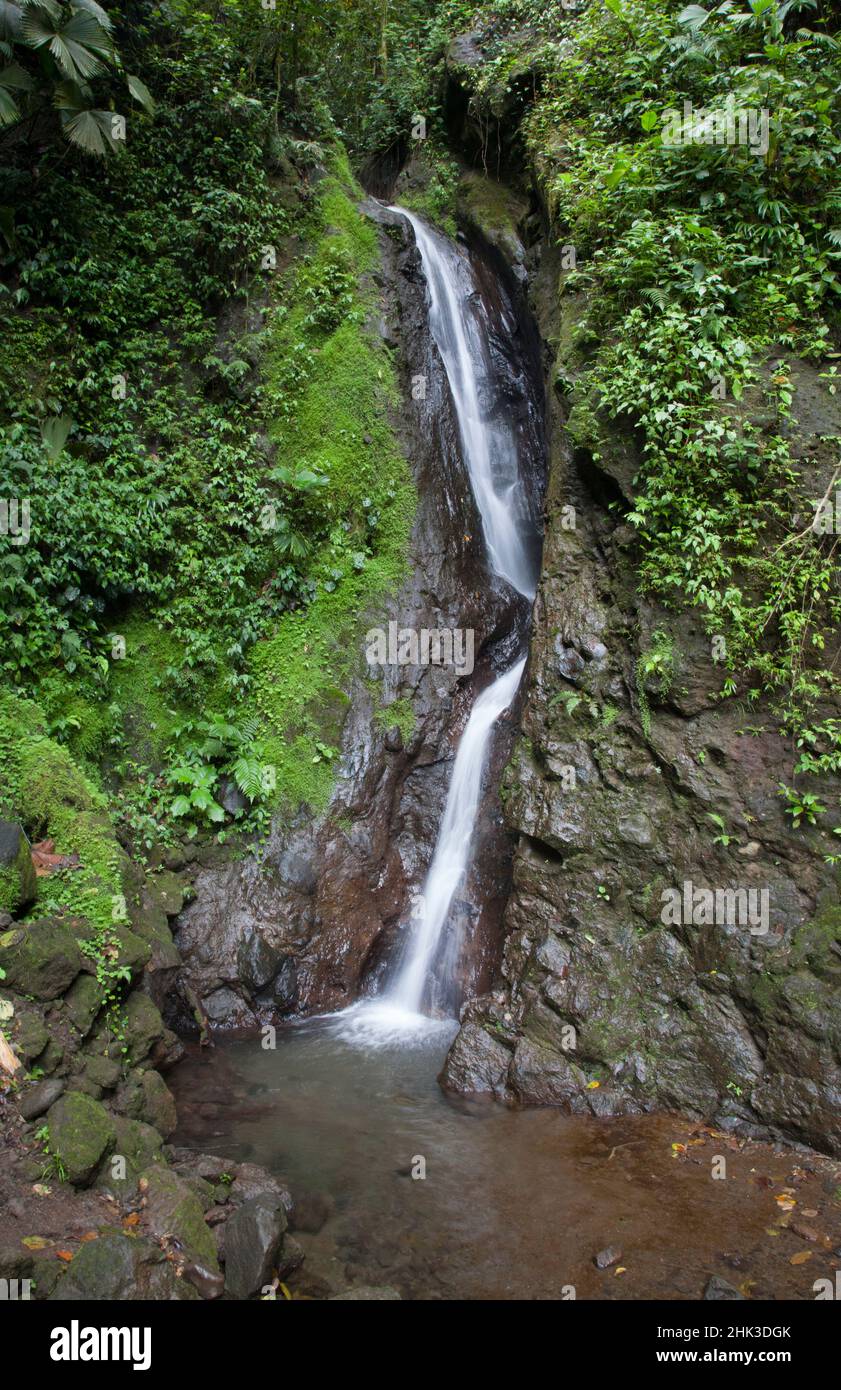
[(494, 209), (141, 684), (340, 427), (813, 943), (399, 714), (9, 889), (434, 189), (42, 787)]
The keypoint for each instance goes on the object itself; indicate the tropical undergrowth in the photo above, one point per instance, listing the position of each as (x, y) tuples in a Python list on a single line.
[(194, 409), (709, 274)]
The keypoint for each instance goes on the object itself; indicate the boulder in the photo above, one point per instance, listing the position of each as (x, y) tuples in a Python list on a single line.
[(310, 1212), (102, 1072), (83, 1001), (31, 1036), (18, 884), (139, 1146), (40, 959), (173, 1211), (252, 1181), (81, 1132), (143, 1027), (253, 1240), (117, 1267), (158, 1107), (38, 1101)]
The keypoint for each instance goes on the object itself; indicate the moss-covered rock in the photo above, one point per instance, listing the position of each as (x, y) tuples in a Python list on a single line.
[(173, 1210), (120, 1267), (158, 1103), (30, 1035), (143, 1027), (102, 1072), (137, 1147), (18, 884), (126, 949), (80, 1133), (41, 785), (83, 1001), (40, 959), (496, 212)]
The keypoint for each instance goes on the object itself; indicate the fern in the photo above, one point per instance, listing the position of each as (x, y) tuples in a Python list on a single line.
[(248, 775)]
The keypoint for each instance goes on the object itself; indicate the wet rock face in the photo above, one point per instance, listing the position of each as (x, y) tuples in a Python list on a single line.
[(619, 993), (321, 920)]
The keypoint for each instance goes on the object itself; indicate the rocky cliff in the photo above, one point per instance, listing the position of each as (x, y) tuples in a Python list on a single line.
[(632, 784)]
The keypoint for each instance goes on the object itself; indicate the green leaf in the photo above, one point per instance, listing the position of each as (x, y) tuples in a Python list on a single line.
[(693, 16), (141, 93), (9, 109), (80, 46), (54, 433)]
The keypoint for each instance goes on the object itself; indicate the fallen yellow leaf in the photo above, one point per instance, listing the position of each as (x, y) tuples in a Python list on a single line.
[(801, 1257)]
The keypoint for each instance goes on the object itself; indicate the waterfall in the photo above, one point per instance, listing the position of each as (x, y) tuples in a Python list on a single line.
[(452, 848), (490, 455)]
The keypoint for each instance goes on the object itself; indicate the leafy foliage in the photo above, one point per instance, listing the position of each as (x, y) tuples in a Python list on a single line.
[(709, 267)]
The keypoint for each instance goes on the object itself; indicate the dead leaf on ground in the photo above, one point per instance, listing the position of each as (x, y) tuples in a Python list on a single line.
[(36, 1242), (66, 1255), (46, 861), (801, 1257)]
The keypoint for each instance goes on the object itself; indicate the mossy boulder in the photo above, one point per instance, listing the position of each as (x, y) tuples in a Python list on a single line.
[(167, 891), (102, 1072), (132, 952), (31, 1036), (143, 1026), (496, 212), (18, 884), (120, 1267), (158, 1103), (173, 1210), (80, 1133), (137, 1147), (83, 1001), (40, 959)]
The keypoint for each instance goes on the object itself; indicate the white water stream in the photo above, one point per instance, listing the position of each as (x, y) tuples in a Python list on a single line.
[(490, 455)]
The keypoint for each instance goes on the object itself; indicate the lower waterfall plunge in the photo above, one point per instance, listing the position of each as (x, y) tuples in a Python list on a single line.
[(490, 455)]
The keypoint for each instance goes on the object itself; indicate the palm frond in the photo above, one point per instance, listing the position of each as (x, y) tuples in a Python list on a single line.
[(141, 93), (80, 46), (90, 129)]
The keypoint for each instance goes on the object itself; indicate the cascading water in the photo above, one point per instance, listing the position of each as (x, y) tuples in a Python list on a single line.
[(490, 454), (452, 849), (491, 457)]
